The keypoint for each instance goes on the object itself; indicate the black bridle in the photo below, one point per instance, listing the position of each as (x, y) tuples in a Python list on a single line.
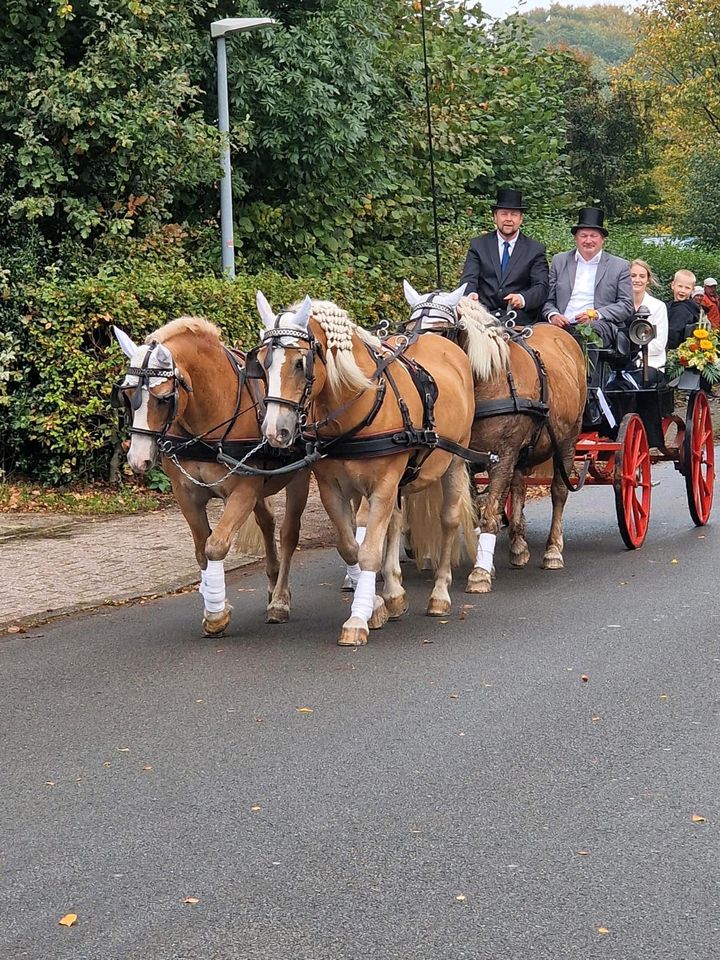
[(257, 369), (129, 397)]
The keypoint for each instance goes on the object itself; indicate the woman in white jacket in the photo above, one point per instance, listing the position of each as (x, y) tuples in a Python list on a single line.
[(641, 277)]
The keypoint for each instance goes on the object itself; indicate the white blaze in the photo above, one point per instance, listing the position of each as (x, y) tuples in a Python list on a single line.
[(274, 381)]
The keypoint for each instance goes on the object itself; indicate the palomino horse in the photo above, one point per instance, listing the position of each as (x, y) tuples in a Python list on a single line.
[(187, 395), (362, 404), (524, 420)]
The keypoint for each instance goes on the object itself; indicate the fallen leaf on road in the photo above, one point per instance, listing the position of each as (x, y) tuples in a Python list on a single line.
[(583, 853), (603, 930), (191, 900), (123, 749), (51, 783), (106, 763), (460, 897), (663, 696), (427, 641), (595, 718), (200, 701), (304, 709), (454, 696), (584, 677), (444, 621), (147, 767), (256, 807), (14, 629), (674, 561), (697, 818), (69, 920)]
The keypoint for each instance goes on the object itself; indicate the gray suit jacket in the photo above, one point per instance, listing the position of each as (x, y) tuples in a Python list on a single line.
[(613, 290)]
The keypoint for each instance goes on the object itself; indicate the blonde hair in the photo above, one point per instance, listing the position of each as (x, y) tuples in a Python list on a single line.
[(685, 275), (652, 279), (341, 366)]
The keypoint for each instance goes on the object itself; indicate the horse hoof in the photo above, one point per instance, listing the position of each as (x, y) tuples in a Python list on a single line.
[(215, 624), (553, 563), (278, 613), (347, 585), (479, 581), (520, 559), (437, 608), (354, 633), (396, 606), (379, 615)]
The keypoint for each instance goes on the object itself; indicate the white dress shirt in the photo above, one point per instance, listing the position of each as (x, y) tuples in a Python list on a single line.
[(658, 316), (583, 293)]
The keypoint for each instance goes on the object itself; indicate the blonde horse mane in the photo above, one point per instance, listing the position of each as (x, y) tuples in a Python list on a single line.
[(342, 368), (487, 348), (174, 328)]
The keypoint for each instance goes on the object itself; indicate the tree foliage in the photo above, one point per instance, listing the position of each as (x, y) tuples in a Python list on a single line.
[(602, 30)]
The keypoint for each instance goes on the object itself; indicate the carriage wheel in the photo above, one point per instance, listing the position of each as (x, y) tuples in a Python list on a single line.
[(632, 481), (699, 458)]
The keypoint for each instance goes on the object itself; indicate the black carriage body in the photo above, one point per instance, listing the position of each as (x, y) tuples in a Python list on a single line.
[(651, 403)]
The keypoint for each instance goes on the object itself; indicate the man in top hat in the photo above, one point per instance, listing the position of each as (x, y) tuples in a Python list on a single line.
[(506, 269), (588, 285)]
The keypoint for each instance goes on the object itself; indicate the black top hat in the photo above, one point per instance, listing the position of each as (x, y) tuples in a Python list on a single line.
[(509, 200), (592, 218)]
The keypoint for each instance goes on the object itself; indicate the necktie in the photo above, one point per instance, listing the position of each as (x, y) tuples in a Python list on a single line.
[(505, 256)]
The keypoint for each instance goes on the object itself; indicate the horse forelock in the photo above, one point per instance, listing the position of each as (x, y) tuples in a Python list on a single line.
[(196, 326), (487, 348)]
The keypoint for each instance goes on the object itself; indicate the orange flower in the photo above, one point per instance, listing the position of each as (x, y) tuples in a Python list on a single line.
[(694, 347), (706, 344)]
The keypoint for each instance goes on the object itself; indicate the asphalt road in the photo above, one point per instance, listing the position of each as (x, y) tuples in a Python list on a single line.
[(459, 790)]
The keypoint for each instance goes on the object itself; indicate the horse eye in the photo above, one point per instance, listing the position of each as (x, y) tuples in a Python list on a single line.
[(299, 364)]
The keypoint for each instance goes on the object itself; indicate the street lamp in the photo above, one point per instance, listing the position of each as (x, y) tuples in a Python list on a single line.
[(219, 30)]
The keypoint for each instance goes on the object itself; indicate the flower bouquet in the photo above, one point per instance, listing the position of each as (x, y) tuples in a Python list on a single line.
[(700, 352)]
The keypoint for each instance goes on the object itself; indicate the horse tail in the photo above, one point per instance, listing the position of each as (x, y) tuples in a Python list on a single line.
[(423, 529), (249, 539)]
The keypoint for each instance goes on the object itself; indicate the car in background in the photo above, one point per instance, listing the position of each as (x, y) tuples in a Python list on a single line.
[(681, 243)]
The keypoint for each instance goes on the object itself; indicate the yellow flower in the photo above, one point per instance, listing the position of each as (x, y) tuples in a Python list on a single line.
[(706, 345), (700, 333)]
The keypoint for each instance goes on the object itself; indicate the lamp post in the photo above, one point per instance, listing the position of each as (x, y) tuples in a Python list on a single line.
[(220, 29)]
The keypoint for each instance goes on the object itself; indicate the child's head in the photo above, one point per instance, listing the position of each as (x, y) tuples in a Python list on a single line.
[(682, 285)]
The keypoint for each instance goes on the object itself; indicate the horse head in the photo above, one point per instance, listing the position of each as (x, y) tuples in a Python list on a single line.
[(286, 356), (436, 310), (150, 397)]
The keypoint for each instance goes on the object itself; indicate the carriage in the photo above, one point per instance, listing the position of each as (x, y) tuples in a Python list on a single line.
[(639, 425)]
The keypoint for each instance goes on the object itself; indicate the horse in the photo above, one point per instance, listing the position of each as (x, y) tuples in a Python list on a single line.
[(530, 392), (385, 421), (186, 397)]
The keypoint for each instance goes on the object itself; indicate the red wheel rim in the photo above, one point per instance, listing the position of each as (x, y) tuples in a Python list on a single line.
[(699, 460), (632, 482)]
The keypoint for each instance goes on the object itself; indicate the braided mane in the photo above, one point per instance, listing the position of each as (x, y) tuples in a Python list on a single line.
[(487, 348), (342, 368)]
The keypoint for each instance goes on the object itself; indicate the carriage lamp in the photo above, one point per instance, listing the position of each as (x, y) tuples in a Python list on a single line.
[(641, 332), (220, 29)]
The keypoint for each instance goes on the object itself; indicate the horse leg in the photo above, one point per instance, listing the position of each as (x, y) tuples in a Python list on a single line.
[(266, 521), (393, 592), (519, 553), (235, 512), (480, 579), (553, 559), (360, 508), (194, 508), (368, 610), (296, 494), (454, 486)]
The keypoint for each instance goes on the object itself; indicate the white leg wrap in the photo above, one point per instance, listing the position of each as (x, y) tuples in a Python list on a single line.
[(354, 573), (214, 586), (360, 534), (362, 605), (485, 550)]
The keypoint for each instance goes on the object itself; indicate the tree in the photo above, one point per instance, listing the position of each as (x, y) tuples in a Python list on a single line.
[(603, 30)]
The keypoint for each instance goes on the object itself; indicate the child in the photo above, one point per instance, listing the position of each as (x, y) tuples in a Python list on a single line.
[(682, 311)]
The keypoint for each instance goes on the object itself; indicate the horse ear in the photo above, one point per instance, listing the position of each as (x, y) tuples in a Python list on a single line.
[(164, 356), (265, 310), (126, 344), (411, 295), (453, 299), (303, 313)]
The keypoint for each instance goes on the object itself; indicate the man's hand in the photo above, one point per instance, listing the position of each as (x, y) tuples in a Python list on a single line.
[(515, 300), (587, 316), (558, 320)]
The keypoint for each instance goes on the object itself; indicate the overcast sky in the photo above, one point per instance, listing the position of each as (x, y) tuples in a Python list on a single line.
[(501, 8)]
